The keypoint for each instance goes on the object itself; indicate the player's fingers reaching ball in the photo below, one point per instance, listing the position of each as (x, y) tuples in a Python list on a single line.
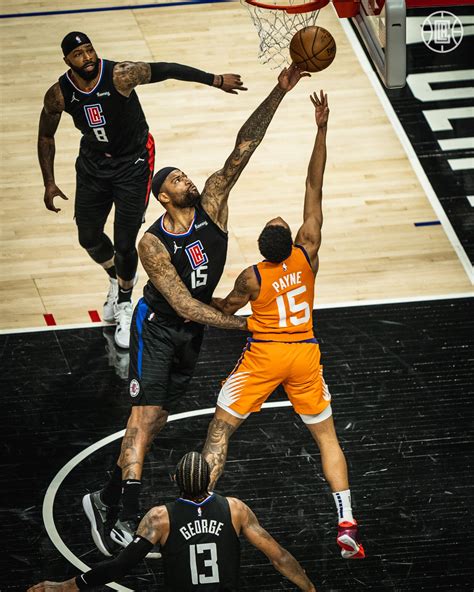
[(314, 99)]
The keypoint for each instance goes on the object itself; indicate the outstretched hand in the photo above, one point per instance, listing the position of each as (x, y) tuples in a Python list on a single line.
[(289, 77), (230, 83), (51, 191), (321, 107)]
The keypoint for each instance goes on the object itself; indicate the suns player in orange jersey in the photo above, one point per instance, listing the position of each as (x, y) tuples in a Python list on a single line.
[(283, 349)]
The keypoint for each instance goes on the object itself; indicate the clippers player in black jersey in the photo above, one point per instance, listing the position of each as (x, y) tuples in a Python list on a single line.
[(184, 254), (199, 539), (116, 157)]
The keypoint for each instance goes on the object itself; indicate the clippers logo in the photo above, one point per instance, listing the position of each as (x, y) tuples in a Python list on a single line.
[(134, 388), (94, 115), (196, 254)]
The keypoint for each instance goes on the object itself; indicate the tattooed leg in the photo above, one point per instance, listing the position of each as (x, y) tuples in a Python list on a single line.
[(143, 426), (221, 428)]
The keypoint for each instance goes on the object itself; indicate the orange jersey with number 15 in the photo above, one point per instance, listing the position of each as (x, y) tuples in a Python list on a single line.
[(284, 307)]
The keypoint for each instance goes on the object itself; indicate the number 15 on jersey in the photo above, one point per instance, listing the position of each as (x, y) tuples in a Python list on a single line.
[(287, 304)]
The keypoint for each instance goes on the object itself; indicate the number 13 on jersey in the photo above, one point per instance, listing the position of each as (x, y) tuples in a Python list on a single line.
[(208, 556), (287, 304)]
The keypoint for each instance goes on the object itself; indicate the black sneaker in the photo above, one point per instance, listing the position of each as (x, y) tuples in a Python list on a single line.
[(123, 533), (102, 519)]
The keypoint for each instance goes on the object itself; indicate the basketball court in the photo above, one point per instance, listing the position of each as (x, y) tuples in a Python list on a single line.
[(393, 295)]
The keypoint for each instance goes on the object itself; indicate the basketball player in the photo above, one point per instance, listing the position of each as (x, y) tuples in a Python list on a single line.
[(283, 349), (116, 157), (199, 538), (184, 254)]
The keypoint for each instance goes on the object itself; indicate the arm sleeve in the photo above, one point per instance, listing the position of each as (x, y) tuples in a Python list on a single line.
[(108, 571), (163, 70)]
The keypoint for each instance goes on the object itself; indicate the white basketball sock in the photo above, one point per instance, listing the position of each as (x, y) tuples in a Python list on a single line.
[(342, 499)]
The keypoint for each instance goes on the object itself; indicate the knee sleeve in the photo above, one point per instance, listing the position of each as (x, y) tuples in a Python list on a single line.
[(97, 244)]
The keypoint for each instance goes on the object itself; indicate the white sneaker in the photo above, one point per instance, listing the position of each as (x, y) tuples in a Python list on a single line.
[(123, 317), (108, 309)]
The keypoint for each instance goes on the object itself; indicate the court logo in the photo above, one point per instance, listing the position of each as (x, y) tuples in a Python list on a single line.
[(134, 387), (94, 115), (442, 31), (196, 254)]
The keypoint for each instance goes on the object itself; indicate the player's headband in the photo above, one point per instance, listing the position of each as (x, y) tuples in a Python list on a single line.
[(160, 178), (73, 40)]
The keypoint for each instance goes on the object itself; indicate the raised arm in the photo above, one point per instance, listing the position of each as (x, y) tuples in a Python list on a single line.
[(128, 75), (282, 560), (48, 124), (157, 263), (309, 235), (217, 187), (246, 288)]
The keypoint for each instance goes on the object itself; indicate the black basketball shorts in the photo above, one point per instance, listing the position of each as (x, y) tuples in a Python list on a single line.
[(163, 355), (123, 182)]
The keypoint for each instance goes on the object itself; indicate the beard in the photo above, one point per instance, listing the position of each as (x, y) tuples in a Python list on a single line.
[(84, 74), (190, 199)]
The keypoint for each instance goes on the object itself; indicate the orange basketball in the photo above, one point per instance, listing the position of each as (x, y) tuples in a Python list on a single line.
[(312, 49)]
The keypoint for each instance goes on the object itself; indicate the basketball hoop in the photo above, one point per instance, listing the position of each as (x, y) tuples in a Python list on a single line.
[(277, 21)]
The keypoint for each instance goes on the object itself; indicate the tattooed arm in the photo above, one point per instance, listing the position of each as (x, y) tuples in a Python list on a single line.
[(246, 288), (155, 525), (282, 560), (128, 75), (153, 528), (156, 261), (217, 188), (48, 124)]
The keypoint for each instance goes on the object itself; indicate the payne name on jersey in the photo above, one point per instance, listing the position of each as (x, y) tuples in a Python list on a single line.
[(201, 526), (290, 279)]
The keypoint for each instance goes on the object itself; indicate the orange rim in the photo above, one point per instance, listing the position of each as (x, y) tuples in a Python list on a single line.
[(290, 9)]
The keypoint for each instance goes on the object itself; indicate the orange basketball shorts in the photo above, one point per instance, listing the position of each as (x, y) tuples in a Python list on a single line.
[(265, 365)]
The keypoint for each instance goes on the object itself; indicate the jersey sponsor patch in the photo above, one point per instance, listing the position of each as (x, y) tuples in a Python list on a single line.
[(94, 115), (196, 254)]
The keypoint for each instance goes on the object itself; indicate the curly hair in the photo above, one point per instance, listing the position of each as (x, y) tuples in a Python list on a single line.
[(275, 243), (193, 475)]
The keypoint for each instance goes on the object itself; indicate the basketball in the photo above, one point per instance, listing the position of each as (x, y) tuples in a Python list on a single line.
[(313, 49)]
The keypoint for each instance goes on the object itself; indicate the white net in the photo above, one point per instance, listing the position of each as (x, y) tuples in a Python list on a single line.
[(276, 28)]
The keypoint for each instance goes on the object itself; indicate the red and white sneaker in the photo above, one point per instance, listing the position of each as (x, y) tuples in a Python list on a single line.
[(348, 540)]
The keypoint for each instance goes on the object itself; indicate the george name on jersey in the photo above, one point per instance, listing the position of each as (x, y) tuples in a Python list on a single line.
[(290, 279), (201, 526)]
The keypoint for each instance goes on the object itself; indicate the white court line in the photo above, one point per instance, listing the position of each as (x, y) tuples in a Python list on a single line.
[(246, 310), (56, 327), (48, 503), (410, 152)]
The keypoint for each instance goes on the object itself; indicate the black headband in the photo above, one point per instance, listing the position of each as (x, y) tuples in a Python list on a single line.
[(73, 40), (160, 178)]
